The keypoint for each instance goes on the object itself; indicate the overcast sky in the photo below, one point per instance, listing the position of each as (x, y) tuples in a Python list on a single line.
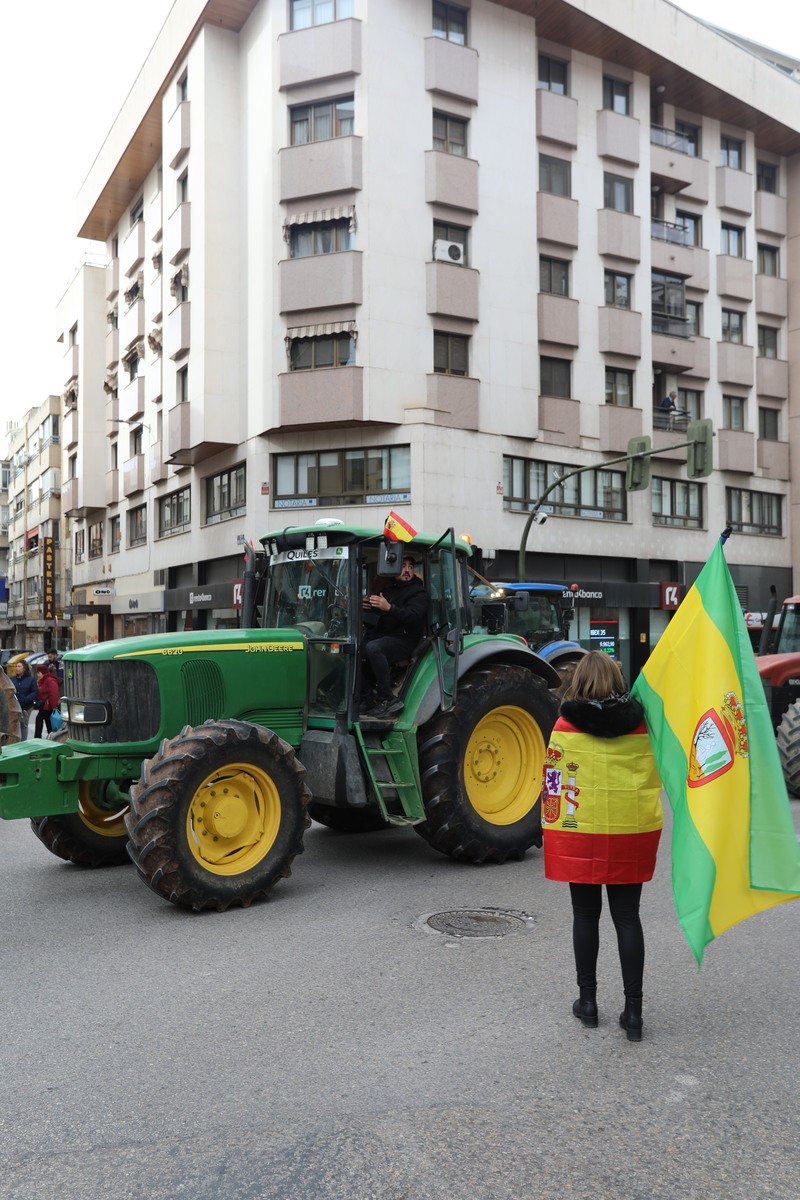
[(65, 71)]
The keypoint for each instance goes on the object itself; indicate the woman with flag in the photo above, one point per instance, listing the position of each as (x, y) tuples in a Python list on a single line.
[(602, 818)]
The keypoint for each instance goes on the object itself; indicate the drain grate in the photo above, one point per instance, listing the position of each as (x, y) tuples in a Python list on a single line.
[(479, 922)]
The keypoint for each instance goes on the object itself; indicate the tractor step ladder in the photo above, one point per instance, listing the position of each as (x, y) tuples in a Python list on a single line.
[(394, 758)]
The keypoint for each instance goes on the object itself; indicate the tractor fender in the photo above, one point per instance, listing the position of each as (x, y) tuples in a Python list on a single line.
[(553, 652), (424, 695)]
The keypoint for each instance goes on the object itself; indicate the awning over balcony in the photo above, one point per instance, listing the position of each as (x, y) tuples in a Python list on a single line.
[(346, 212), (310, 331)]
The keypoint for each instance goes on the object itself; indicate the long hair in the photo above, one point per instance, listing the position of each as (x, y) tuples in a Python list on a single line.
[(596, 677), (25, 668)]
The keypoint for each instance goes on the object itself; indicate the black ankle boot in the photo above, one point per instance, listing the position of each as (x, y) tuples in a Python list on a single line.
[(631, 1018), (585, 1008)]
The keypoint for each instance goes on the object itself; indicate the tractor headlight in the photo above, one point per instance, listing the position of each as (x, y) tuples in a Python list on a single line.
[(88, 712)]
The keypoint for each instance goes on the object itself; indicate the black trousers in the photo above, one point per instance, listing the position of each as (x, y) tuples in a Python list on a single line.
[(623, 903), (43, 717), (379, 653)]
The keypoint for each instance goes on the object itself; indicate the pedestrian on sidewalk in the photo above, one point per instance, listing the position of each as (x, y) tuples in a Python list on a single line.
[(602, 818), (47, 699), (27, 695)]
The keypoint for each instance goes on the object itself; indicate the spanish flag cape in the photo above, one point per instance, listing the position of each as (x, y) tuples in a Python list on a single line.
[(734, 848), (601, 806)]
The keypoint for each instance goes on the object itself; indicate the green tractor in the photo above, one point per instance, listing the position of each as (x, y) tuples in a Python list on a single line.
[(203, 755)]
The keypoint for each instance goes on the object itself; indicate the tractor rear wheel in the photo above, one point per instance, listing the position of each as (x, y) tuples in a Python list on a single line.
[(95, 835), (347, 820), (789, 747), (218, 815), (481, 766)]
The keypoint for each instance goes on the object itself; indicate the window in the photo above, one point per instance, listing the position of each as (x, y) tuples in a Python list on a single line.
[(619, 387), (318, 122), (668, 303), (753, 512), (375, 475), (676, 502), (732, 240), (553, 276), (690, 135), (318, 12), (96, 540), (175, 512), (617, 289), (450, 354), (133, 361), (768, 261), (553, 75), (768, 424), (767, 341), (183, 187), (732, 326), (80, 544), (443, 232), (179, 284), (731, 153), (183, 87), (598, 495), (137, 212), (226, 494), (555, 377), (692, 225), (555, 175), (694, 318), (766, 177), (617, 192), (311, 354), (450, 22), (449, 134), (616, 95), (137, 525), (115, 534), (734, 411), (72, 466), (326, 237), (690, 400), (182, 386)]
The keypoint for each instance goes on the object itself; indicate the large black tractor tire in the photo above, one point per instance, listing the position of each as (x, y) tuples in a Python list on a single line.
[(789, 747), (348, 820), (218, 815), (95, 835), (481, 766)]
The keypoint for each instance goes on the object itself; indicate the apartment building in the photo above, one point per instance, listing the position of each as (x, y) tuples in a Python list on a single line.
[(401, 254)]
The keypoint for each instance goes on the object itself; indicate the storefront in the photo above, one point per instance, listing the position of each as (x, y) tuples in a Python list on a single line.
[(204, 606), (136, 611)]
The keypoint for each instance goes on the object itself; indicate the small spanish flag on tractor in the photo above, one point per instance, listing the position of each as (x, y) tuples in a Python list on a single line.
[(397, 529)]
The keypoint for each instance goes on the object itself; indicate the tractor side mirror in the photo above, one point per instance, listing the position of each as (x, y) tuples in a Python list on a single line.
[(390, 559), (521, 602)]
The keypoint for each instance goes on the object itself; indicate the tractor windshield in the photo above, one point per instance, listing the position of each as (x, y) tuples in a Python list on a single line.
[(789, 634), (309, 590)]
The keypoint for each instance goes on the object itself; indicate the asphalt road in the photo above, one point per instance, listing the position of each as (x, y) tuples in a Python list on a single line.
[(323, 1045)]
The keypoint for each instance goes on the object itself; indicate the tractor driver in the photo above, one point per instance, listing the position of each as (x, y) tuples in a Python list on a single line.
[(401, 609)]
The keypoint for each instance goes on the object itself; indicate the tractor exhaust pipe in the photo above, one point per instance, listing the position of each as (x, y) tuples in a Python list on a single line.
[(766, 632)]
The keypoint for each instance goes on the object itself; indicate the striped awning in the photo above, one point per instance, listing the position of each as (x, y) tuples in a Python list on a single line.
[(310, 331), (346, 212)]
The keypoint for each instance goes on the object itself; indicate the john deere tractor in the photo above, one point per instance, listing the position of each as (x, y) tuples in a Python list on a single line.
[(203, 755)]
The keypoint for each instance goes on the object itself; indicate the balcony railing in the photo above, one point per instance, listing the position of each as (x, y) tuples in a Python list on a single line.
[(671, 140), (671, 325), (678, 421), (666, 231)]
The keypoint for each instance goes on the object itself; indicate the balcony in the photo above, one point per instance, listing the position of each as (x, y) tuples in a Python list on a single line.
[(735, 190), (559, 421), (734, 277), (329, 398), (771, 214), (557, 118), (131, 400), (320, 281), (321, 52), (735, 451), (773, 459), (452, 291), (176, 139), (158, 468), (772, 296), (112, 348), (195, 433), (668, 254), (112, 279), (179, 330), (153, 380), (772, 377), (155, 218), (557, 319), (618, 425), (673, 168), (132, 250), (556, 219), (320, 168), (81, 496), (111, 416), (69, 428), (619, 234), (735, 364), (71, 364), (131, 323), (663, 438), (618, 137), (112, 487), (177, 236), (673, 351), (620, 332), (451, 70), (452, 180), (133, 475)]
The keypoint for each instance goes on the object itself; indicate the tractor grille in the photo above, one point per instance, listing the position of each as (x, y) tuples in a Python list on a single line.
[(131, 690), (204, 690)]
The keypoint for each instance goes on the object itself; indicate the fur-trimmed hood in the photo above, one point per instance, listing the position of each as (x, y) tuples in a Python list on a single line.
[(609, 718)]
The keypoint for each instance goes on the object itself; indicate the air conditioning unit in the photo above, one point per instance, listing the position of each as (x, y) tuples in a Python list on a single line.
[(452, 252)]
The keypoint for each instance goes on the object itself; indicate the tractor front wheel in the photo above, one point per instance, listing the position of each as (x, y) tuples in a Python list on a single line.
[(789, 747), (94, 836), (481, 766), (218, 815)]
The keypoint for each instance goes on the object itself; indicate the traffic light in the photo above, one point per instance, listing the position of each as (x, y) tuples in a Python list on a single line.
[(699, 454), (637, 470)]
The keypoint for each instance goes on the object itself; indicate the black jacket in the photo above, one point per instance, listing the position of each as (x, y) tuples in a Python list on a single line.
[(409, 611), (607, 718)]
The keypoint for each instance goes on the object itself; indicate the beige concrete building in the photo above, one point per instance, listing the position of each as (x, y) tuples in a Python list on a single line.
[(401, 254)]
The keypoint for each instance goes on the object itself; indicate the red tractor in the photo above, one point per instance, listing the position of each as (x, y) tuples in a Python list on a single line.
[(780, 673)]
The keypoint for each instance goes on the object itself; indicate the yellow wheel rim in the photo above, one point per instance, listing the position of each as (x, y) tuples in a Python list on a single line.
[(107, 821), (503, 765), (233, 819)]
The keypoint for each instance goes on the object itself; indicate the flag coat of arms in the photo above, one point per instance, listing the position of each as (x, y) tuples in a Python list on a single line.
[(397, 529), (734, 848)]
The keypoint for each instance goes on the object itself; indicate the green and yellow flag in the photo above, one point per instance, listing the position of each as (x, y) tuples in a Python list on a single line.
[(734, 849)]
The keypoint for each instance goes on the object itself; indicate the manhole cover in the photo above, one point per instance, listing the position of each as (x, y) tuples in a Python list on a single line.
[(478, 922)]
